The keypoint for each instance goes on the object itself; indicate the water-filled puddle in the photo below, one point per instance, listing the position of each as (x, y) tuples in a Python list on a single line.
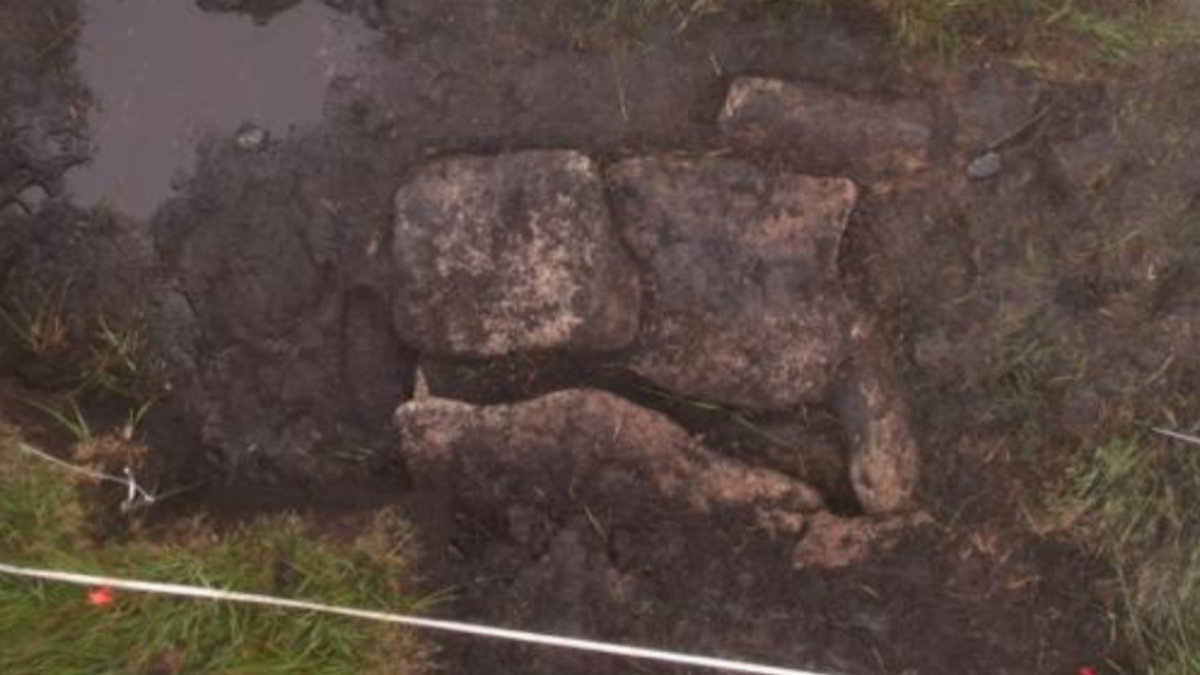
[(163, 73)]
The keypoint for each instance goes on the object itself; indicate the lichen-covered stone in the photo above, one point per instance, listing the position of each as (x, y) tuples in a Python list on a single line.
[(496, 255), (743, 302), (585, 446)]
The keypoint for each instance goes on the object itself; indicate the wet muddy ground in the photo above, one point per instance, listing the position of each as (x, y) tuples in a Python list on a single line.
[(164, 75), (1019, 263)]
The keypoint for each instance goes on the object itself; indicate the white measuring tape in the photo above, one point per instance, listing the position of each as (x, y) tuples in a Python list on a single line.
[(137, 495), (199, 592), (1178, 436)]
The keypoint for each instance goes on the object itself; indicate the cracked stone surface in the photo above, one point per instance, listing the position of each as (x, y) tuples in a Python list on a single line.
[(740, 265), (497, 255)]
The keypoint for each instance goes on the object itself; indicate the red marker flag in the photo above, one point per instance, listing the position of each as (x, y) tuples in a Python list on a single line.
[(99, 597)]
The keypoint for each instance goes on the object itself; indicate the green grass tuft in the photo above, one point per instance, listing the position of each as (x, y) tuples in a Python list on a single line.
[(1056, 37), (1139, 504), (51, 628)]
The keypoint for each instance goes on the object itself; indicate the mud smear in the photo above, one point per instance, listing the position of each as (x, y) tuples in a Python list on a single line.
[(164, 74)]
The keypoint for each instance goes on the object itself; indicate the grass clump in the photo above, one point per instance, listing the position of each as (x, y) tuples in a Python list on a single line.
[(1138, 502), (1058, 37), (74, 364), (41, 332), (53, 629), (1012, 24), (98, 356)]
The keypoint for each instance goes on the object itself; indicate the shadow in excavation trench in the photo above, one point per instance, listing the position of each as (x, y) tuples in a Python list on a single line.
[(190, 478), (806, 443)]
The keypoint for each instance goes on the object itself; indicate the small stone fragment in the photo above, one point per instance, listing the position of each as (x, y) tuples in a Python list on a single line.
[(252, 138), (497, 255), (884, 456), (985, 166), (833, 542), (33, 198)]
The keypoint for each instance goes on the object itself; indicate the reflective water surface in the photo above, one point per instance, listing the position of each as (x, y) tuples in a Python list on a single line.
[(163, 73)]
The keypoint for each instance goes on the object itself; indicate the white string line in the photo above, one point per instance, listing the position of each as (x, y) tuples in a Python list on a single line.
[(1178, 436), (134, 492), (611, 649)]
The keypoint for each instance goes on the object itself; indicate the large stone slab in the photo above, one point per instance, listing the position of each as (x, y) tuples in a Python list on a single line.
[(828, 129), (629, 475), (584, 446), (513, 253), (740, 266)]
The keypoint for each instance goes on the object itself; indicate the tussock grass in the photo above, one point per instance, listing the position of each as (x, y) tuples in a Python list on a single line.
[(78, 363), (53, 629), (1022, 24), (1138, 503), (42, 332), (99, 356), (1060, 37)]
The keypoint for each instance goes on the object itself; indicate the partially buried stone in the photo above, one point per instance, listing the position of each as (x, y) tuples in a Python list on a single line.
[(831, 130), (583, 446), (744, 306), (506, 254), (832, 542), (252, 138), (884, 455), (985, 166), (33, 198)]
